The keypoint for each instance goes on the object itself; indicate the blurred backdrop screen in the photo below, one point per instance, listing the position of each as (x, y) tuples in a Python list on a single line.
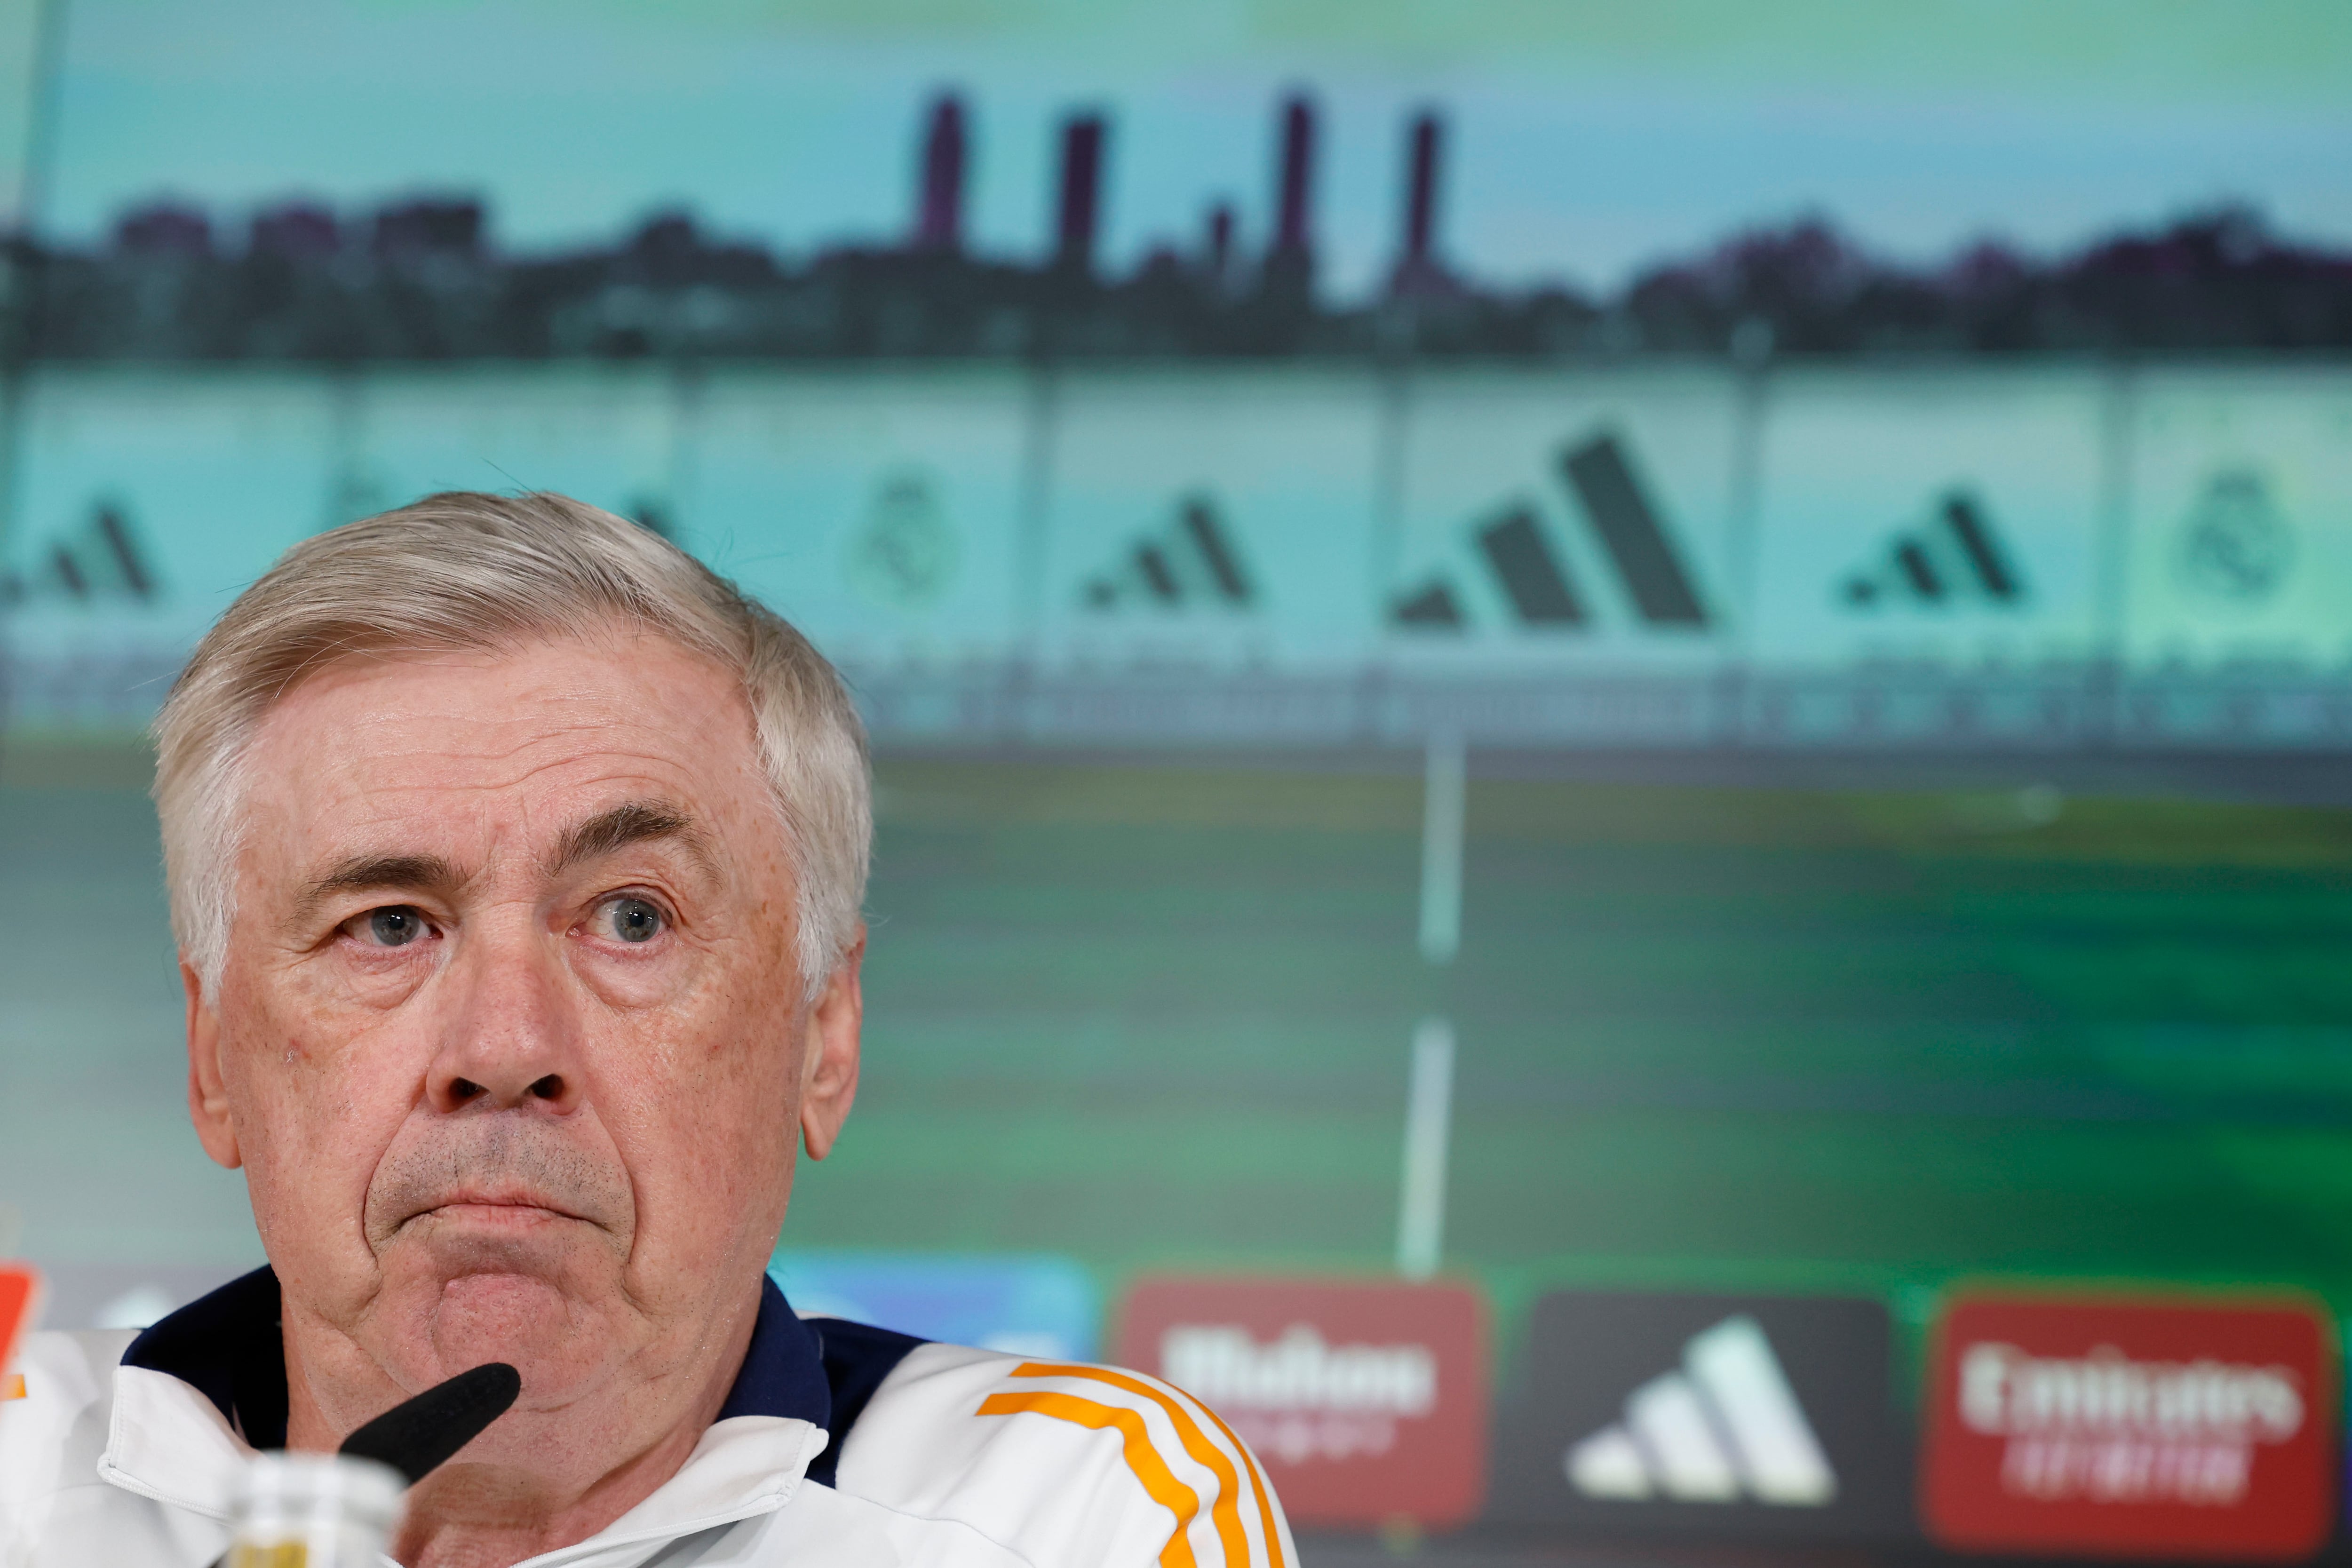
[(1609, 740)]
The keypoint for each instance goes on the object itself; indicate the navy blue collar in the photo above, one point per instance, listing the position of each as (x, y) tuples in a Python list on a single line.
[(784, 1368), (229, 1348)]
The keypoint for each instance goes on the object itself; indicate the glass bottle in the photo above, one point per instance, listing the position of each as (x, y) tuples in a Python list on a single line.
[(312, 1510)]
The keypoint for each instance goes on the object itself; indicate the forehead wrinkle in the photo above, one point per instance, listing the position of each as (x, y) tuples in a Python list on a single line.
[(468, 756), (512, 754), (447, 745), (532, 719)]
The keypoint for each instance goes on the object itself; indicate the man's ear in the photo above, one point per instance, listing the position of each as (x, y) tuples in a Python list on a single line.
[(829, 1065), (207, 1093)]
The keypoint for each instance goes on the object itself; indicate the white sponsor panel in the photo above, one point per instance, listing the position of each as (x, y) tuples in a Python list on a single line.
[(2107, 1428), (1299, 555), (1951, 517), (606, 434), (147, 501), (1299, 1398), (1565, 524), (214, 471), (1216, 518), (2241, 498), (878, 509)]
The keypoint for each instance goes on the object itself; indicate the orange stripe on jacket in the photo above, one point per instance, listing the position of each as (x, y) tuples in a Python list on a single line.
[(1142, 1457), (1226, 1512), (1264, 1492)]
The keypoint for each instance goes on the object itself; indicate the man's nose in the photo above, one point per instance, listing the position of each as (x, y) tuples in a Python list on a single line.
[(513, 1034)]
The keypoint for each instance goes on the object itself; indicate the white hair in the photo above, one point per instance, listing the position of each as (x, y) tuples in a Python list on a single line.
[(462, 573)]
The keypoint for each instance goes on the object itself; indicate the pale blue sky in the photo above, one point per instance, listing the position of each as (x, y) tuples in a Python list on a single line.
[(1589, 138)]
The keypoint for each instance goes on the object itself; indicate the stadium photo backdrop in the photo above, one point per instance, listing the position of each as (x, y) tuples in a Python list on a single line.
[(1604, 739)]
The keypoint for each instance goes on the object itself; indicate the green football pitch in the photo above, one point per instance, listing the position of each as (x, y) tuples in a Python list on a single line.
[(1707, 1037), (1158, 1015)]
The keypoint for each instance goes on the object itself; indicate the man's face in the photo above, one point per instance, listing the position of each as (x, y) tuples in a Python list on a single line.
[(511, 1039)]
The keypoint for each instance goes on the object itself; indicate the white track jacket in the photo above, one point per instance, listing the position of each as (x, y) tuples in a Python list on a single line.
[(839, 1445)]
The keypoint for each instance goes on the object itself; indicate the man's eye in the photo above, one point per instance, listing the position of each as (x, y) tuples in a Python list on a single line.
[(628, 919), (394, 925)]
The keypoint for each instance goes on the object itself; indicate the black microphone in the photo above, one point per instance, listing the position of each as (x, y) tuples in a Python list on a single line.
[(416, 1434)]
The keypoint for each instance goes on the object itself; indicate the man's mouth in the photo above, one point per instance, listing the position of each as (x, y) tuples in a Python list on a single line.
[(482, 1181), (501, 1207)]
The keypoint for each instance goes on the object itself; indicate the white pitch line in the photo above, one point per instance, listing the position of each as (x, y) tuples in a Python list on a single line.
[(1428, 1115), (1443, 790)]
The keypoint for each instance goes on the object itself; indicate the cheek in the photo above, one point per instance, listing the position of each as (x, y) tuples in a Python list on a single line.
[(313, 1097), (727, 1062), (735, 1023), (702, 1102)]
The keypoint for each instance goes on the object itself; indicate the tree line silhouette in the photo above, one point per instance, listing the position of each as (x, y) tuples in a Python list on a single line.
[(423, 280)]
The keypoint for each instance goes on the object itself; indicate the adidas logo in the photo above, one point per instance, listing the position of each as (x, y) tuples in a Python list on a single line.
[(1193, 563), (1725, 1426), (102, 560), (1957, 554), (1532, 577)]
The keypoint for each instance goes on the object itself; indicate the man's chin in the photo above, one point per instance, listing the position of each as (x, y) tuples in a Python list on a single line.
[(462, 1295), (517, 1318)]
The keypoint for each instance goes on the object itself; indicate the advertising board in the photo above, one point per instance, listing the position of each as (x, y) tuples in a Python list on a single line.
[(1365, 1402), (1214, 518), (20, 1301), (879, 511), (2131, 1426), (2242, 494), (1042, 1306), (1952, 516), (1550, 523), (1298, 554), (606, 435), (1748, 1416)]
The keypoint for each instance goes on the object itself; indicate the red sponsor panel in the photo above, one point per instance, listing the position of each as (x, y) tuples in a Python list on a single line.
[(2131, 1426), (20, 1297), (1366, 1403)]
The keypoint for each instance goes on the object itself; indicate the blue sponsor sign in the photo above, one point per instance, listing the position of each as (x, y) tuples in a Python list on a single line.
[(1026, 1304)]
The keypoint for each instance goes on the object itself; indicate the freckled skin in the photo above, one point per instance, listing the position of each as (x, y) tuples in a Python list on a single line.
[(484, 1124)]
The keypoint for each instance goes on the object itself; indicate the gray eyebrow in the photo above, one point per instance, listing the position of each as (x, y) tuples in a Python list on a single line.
[(633, 822), (369, 873)]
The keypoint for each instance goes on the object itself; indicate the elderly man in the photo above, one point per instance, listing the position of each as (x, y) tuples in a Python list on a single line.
[(516, 863)]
